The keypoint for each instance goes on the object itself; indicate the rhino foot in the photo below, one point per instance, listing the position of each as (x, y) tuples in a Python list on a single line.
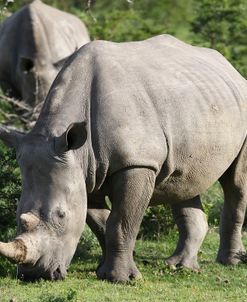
[(231, 257), (182, 261), (118, 273)]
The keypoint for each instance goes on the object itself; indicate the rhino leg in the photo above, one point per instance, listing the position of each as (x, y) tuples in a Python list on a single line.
[(131, 191), (97, 215), (234, 184), (192, 227)]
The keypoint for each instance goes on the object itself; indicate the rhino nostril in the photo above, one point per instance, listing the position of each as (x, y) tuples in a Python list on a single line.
[(57, 274)]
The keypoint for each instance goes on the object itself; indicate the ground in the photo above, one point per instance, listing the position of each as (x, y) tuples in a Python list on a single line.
[(214, 282)]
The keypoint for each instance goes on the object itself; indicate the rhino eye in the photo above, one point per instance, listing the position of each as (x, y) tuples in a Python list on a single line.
[(60, 213), (58, 220)]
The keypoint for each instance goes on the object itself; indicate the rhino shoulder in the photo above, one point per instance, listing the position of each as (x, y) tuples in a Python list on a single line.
[(96, 49)]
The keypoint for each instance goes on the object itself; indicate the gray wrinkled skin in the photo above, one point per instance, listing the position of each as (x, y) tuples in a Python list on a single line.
[(149, 122), (34, 43)]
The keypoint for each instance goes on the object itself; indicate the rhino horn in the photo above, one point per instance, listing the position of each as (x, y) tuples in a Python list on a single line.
[(23, 249), (16, 251), (29, 221)]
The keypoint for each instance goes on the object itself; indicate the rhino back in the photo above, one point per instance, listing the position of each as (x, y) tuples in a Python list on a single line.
[(160, 103), (57, 34), (164, 93)]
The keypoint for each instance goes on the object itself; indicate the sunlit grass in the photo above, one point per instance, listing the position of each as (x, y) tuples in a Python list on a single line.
[(214, 282)]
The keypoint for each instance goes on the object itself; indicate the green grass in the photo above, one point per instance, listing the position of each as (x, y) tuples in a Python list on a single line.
[(213, 283)]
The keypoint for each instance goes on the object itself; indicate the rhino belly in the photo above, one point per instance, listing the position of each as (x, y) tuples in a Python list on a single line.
[(187, 174)]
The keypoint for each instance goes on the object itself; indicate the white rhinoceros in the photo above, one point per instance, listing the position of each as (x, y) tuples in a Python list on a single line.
[(150, 122), (34, 43)]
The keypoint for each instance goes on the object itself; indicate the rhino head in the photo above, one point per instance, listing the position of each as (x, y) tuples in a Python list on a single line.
[(35, 77), (51, 212), (34, 43)]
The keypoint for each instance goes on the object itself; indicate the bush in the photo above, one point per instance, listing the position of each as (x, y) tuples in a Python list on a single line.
[(120, 26), (213, 201), (10, 188), (157, 222), (222, 25)]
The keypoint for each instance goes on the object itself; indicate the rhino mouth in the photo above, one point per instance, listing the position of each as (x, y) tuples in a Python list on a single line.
[(28, 273), (58, 274)]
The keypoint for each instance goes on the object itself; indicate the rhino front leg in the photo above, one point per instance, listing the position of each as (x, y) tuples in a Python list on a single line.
[(234, 184), (97, 215), (131, 191), (192, 227)]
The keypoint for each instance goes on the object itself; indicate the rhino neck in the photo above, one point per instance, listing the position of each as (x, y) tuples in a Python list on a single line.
[(67, 102)]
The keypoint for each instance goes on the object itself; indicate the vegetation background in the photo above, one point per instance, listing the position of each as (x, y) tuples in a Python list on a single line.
[(220, 24)]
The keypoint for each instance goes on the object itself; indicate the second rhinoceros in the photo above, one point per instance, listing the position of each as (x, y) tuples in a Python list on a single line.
[(34, 43), (149, 122)]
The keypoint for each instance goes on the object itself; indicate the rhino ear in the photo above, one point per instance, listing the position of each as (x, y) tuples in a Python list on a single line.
[(73, 138), (59, 64), (10, 137)]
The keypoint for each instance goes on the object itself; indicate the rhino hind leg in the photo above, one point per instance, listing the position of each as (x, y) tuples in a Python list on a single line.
[(192, 227), (131, 191), (234, 184)]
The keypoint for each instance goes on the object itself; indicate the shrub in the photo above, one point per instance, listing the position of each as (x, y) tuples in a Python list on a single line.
[(121, 25), (9, 193), (157, 222), (222, 25), (213, 203), (10, 188)]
